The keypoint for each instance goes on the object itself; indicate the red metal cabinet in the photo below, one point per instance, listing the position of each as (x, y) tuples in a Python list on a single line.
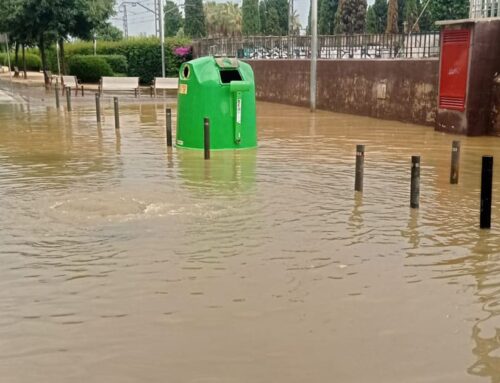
[(454, 68)]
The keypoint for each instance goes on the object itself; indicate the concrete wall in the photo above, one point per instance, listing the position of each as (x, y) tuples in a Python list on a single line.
[(495, 108), (404, 90), (484, 66)]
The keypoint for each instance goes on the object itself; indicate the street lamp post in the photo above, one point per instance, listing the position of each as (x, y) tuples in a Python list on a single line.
[(162, 40), (314, 52)]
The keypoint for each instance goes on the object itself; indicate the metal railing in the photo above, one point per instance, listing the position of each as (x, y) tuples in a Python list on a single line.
[(384, 46), (484, 9)]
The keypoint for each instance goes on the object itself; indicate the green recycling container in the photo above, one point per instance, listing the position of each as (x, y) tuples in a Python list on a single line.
[(223, 90)]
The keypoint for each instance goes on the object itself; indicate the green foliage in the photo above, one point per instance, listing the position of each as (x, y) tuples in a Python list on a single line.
[(401, 14), (376, 17), (33, 62), (263, 16), (89, 68), (276, 17), (426, 23), (326, 16), (371, 20), (251, 18), (411, 16), (118, 63), (222, 19), (194, 21), (449, 9), (143, 55), (350, 17), (108, 32), (173, 18)]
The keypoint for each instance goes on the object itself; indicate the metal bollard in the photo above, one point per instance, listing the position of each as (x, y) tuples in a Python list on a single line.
[(98, 107), (455, 162), (415, 182), (486, 192), (168, 114), (206, 137), (360, 160), (68, 97), (117, 113), (58, 103)]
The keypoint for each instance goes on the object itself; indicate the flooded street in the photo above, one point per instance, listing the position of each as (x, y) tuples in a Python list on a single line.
[(124, 262)]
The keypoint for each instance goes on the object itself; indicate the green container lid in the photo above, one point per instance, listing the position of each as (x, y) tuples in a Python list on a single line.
[(223, 90)]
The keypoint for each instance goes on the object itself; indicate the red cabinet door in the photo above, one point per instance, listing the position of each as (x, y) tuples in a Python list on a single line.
[(454, 68)]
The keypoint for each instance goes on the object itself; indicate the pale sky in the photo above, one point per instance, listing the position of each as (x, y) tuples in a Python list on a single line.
[(141, 21)]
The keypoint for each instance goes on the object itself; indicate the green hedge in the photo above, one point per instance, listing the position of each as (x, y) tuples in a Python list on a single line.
[(89, 68), (33, 62), (143, 55), (118, 63)]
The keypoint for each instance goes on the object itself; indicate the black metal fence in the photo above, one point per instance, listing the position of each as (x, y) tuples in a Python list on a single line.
[(383, 46)]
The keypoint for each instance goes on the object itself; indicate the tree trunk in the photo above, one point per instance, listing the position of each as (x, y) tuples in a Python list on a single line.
[(16, 59), (392, 17), (24, 61), (61, 56), (44, 60)]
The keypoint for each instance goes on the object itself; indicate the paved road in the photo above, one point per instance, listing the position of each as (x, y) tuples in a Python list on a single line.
[(5, 98)]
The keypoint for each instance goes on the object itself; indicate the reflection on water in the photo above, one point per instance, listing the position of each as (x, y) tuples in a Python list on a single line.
[(123, 261)]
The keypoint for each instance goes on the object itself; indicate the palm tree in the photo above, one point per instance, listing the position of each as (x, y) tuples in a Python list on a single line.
[(296, 25)]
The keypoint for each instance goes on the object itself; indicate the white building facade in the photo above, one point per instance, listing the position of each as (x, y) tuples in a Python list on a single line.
[(480, 9)]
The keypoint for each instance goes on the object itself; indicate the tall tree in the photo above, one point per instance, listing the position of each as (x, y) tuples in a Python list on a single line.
[(251, 17), (380, 9), (274, 17), (263, 17), (273, 20), (401, 14), (296, 25), (108, 32), (411, 16), (392, 17), (371, 20), (223, 19), (172, 19), (350, 17), (426, 23), (326, 18), (194, 21)]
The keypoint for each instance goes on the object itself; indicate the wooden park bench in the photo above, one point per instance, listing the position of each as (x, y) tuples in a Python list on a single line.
[(72, 83), (164, 83), (120, 84)]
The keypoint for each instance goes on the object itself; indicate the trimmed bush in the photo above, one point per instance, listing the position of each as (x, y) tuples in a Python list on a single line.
[(33, 62), (118, 63), (143, 55), (89, 68)]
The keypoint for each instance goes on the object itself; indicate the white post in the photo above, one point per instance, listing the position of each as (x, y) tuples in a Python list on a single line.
[(162, 40), (8, 56), (58, 59), (314, 52)]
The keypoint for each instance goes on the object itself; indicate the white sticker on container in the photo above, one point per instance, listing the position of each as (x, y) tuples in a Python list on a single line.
[(238, 111), (183, 89)]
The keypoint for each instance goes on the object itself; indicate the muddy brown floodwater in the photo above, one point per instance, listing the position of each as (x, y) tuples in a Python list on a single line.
[(124, 262)]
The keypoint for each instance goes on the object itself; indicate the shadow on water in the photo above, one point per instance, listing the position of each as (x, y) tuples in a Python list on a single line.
[(227, 171)]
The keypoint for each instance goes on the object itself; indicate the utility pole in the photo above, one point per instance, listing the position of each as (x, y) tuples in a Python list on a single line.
[(162, 39), (158, 26), (314, 52), (125, 21)]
